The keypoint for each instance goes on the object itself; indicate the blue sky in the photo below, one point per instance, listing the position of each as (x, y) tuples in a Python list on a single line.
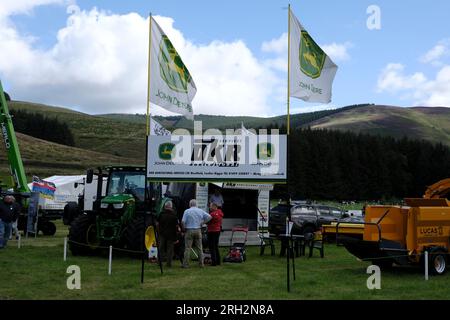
[(405, 63)]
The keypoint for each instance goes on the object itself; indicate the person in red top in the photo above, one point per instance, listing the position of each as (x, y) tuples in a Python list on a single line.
[(214, 227)]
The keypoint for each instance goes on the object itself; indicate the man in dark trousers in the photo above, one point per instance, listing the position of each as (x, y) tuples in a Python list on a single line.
[(9, 212), (168, 225)]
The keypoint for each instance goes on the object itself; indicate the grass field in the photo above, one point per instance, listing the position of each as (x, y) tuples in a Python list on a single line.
[(37, 271)]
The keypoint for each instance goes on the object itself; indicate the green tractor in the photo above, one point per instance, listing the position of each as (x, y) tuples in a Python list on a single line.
[(123, 217)]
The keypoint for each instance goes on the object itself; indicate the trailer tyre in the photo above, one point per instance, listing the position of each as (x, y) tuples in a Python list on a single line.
[(48, 228), (437, 263)]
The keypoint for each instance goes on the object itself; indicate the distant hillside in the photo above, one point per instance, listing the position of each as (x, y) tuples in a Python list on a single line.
[(227, 122), (43, 158), (432, 124), (96, 133), (123, 135)]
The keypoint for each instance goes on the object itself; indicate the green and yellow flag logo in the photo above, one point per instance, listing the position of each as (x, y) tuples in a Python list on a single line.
[(166, 151), (265, 151), (312, 57), (172, 68)]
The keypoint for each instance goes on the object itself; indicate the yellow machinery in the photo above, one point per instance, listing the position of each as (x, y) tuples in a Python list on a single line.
[(401, 234)]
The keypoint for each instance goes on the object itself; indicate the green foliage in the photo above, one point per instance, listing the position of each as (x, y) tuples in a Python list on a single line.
[(40, 126), (333, 165)]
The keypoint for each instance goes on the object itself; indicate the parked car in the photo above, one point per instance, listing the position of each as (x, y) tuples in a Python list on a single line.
[(307, 218)]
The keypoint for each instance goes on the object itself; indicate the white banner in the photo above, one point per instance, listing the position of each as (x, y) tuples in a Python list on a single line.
[(237, 158)]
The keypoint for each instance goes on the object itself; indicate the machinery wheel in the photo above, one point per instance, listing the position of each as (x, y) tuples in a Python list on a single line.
[(48, 228), (134, 234), (70, 212), (437, 262), (83, 235)]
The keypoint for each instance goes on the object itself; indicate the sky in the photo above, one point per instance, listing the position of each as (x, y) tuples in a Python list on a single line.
[(91, 55)]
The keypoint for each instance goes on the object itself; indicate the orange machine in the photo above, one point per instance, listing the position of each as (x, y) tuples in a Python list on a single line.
[(401, 234)]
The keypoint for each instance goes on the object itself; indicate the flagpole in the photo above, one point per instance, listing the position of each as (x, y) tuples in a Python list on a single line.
[(289, 73), (149, 69)]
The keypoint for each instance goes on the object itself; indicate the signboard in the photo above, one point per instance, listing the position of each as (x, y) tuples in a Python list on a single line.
[(201, 195), (263, 215), (258, 158)]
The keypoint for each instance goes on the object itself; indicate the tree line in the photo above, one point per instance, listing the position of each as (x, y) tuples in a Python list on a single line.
[(334, 165), (42, 127)]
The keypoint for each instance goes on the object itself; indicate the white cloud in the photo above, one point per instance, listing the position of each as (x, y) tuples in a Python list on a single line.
[(278, 45), (435, 55), (416, 87), (393, 79), (337, 51), (12, 7), (99, 65)]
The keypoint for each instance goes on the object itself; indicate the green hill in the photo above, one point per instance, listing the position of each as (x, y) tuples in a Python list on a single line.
[(431, 124), (43, 158), (96, 133), (123, 135), (227, 122)]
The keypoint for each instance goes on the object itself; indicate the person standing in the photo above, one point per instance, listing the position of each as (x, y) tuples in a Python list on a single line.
[(168, 225), (214, 228), (192, 221), (9, 212)]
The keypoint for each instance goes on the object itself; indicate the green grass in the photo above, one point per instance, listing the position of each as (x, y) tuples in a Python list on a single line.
[(37, 271)]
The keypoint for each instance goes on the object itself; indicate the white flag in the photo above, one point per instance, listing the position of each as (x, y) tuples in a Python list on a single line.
[(311, 70), (156, 129), (245, 131), (171, 85)]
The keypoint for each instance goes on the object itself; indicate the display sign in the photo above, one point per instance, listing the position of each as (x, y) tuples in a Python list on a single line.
[(263, 214), (258, 158), (201, 194)]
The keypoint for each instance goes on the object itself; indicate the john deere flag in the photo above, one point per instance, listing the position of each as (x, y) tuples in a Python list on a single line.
[(311, 70), (171, 84)]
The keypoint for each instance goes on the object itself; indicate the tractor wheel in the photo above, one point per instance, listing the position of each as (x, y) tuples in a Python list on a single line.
[(70, 212), (437, 262), (83, 235), (134, 235), (48, 228)]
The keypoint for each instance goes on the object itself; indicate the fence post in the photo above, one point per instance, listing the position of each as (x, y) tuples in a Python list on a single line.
[(18, 241), (65, 248), (110, 260), (426, 264)]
